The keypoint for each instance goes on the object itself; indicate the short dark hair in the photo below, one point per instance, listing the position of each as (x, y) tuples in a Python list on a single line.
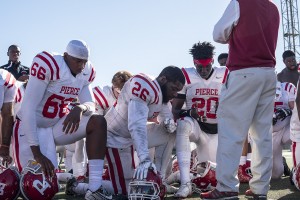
[(173, 74), (287, 53), (11, 46), (202, 50), (222, 55)]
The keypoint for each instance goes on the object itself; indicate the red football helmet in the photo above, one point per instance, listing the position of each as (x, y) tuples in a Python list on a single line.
[(9, 182), (151, 188), (35, 185), (206, 176), (175, 166), (296, 176), (105, 175)]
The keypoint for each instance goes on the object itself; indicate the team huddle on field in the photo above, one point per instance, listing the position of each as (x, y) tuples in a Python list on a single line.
[(188, 130)]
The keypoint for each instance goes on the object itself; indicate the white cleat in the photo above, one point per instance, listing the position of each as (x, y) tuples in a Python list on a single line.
[(173, 178), (100, 194), (184, 191), (170, 188)]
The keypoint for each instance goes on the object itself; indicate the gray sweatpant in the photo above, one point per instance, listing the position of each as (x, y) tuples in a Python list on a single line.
[(247, 101)]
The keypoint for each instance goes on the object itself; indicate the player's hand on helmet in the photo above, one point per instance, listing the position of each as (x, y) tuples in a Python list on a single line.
[(142, 170), (282, 113), (46, 164), (4, 154), (71, 123), (170, 125)]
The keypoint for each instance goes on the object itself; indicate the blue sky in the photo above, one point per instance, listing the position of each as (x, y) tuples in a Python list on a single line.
[(133, 35)]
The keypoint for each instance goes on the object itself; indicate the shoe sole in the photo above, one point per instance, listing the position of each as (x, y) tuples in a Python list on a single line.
[(257, 197), (224, 198)]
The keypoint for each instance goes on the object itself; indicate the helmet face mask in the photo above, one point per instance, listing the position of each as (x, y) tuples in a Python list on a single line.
[(206, 176), (151, 188), (143, 190)]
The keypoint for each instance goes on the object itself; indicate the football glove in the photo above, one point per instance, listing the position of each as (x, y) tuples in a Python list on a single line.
[(274, 119), (142, 170), (282, 113), (169, 125)]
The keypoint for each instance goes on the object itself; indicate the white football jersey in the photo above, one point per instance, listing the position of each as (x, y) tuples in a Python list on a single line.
[(9, 88), (104, 98), (202, 93), (140, 100), (50, 89), (19, 97), (295, 124), (287, 94)]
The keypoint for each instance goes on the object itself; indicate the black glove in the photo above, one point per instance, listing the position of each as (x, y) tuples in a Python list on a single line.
[(282, 113), (274, 119)]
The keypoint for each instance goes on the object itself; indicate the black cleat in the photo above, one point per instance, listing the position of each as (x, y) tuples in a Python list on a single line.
[(286, 169)]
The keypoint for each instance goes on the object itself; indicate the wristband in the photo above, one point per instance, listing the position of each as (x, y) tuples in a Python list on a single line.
[(185, 113)]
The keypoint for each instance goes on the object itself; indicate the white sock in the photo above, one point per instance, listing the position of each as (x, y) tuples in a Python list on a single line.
[(95, 174), (184, 166), (243, 160), (63, 176), (68, 160), (249, 156), (108, 186), (81, 188)]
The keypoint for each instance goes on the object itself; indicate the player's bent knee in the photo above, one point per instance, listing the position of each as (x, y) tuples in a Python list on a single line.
[(183, 127), (97, 122)]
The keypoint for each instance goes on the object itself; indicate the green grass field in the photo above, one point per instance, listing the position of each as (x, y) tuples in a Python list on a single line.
[(280, 189)]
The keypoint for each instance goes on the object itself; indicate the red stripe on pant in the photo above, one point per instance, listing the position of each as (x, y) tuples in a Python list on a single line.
[(111, 172), (132, 156), (17, 149), (294, 144), (120, 170), (113, 153)]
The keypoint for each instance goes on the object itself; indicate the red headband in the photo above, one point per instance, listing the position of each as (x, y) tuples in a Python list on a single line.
[(203, 62)]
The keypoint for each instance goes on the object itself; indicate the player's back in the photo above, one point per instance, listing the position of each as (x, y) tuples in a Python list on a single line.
[(8, 82), (139, 88), (102, 102)]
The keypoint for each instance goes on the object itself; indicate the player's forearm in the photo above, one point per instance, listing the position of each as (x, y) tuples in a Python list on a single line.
[(7, 123), (7, 126), (36, 150), (137, 126), (141, 147)]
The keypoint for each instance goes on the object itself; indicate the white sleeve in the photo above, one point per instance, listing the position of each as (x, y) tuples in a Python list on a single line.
[(166, 112), (10, 94), (86, 97), (137, 126), (1, 96), (291, 92), (224, 26), (34, 94)]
